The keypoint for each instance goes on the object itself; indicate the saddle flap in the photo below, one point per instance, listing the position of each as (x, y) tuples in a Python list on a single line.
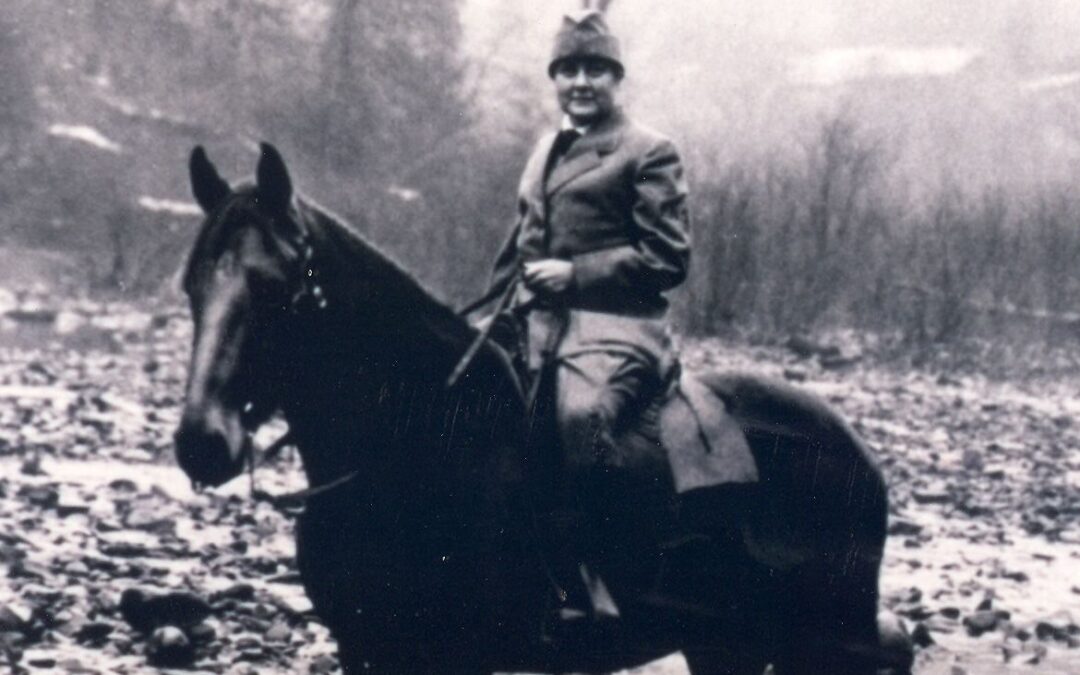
[(705, 445)]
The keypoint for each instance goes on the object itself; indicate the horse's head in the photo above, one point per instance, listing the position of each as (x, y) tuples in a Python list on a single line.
[(245, 276)]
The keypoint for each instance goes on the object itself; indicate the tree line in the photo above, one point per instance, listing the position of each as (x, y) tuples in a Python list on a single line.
[(375, 107)]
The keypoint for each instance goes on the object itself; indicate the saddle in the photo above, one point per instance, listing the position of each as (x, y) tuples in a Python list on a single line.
[(686, 438), (687, 425), (704, 445)]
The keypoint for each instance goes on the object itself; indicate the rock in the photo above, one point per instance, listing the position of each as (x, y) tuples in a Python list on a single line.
[(202, 633), (41, 592), (31, 466), (15, 618), (1045, 630), (920, 635), (803, 347), (73, 665), (145, 612), (41, 496), (949, 612), (170, 648), (67, 509), (972, 460), (931, 496), (76, 568), (323, 664), (1038, 655), (240, 591), (898, 527), (794, 375), (247, 642), (982, 621), (915, 612), (838, 361), (124, 549), (279, 632), (41, 662), (35, 315), (124, 485), (896, 647), (23, 569), (93, 633), (147, 521)]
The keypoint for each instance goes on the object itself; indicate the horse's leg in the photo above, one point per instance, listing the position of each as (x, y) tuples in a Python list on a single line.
[(720, 661), (833, 618)]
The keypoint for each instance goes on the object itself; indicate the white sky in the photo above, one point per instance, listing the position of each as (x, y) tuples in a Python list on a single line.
[(747, 70)]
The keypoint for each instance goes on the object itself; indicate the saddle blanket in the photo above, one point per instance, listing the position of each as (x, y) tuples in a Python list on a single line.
[(704, 444)]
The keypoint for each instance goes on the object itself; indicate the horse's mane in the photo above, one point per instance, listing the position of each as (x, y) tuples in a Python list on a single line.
[(369, 287), (397, 291)]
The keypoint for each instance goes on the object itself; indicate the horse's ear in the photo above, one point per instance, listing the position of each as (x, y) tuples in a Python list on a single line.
[(207, 186), (273, 185)]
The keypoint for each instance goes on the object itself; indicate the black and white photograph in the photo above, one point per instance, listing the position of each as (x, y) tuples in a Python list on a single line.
[(478, 337)]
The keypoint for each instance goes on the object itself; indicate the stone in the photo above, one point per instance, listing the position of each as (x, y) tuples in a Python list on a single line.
[(1045, 630), (145, 612), (15, 618), (170, 648), (920, 635), (982, 621), (239, 591), (898, 527), (279, 632), (323, 664), (93, 633)]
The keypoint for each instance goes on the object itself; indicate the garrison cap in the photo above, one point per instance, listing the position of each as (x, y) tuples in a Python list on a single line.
[(583, 35)]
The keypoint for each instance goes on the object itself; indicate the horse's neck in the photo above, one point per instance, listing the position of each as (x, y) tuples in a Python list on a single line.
[(379, 309), (376, 359)]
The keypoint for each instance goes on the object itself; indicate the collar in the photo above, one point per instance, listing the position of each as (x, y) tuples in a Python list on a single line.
[(566, 125)]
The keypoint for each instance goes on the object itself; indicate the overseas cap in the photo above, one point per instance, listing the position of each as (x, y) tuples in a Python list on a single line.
[(585, 34)]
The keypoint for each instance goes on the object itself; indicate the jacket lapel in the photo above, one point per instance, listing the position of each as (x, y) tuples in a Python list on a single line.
[(532, 178), (586, 153), (575, 163)]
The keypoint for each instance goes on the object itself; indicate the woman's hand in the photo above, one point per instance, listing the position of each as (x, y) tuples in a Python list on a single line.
[(549, 276)]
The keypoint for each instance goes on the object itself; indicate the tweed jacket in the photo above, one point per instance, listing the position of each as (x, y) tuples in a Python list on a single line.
[(615, 206)]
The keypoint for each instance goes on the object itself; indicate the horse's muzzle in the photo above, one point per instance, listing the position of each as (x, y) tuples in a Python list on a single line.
[(210, 454)]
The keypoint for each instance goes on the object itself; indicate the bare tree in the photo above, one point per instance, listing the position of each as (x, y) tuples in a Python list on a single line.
[(599, 5)]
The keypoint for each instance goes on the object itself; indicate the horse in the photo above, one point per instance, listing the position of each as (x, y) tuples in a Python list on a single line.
[(418, 543)]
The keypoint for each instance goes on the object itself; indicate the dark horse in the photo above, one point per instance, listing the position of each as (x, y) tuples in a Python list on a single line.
[(418, 545)]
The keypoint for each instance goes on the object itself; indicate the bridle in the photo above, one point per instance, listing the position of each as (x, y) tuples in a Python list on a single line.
[(308, 300)]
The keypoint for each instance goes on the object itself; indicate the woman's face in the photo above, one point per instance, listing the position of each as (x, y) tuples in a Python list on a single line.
[(587, 89)]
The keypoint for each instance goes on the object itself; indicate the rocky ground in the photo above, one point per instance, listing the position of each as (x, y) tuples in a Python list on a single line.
[(109, 563)]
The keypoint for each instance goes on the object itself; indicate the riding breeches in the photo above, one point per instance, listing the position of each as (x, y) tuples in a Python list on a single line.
[(597, 396)]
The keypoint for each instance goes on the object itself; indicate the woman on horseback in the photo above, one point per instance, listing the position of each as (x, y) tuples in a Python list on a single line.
[(602, 232)]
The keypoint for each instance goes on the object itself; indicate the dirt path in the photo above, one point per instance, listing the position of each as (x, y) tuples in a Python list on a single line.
[(983, 561)]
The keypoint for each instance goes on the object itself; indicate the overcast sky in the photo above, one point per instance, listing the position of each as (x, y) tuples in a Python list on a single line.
[(964, 76), (737, 34)]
